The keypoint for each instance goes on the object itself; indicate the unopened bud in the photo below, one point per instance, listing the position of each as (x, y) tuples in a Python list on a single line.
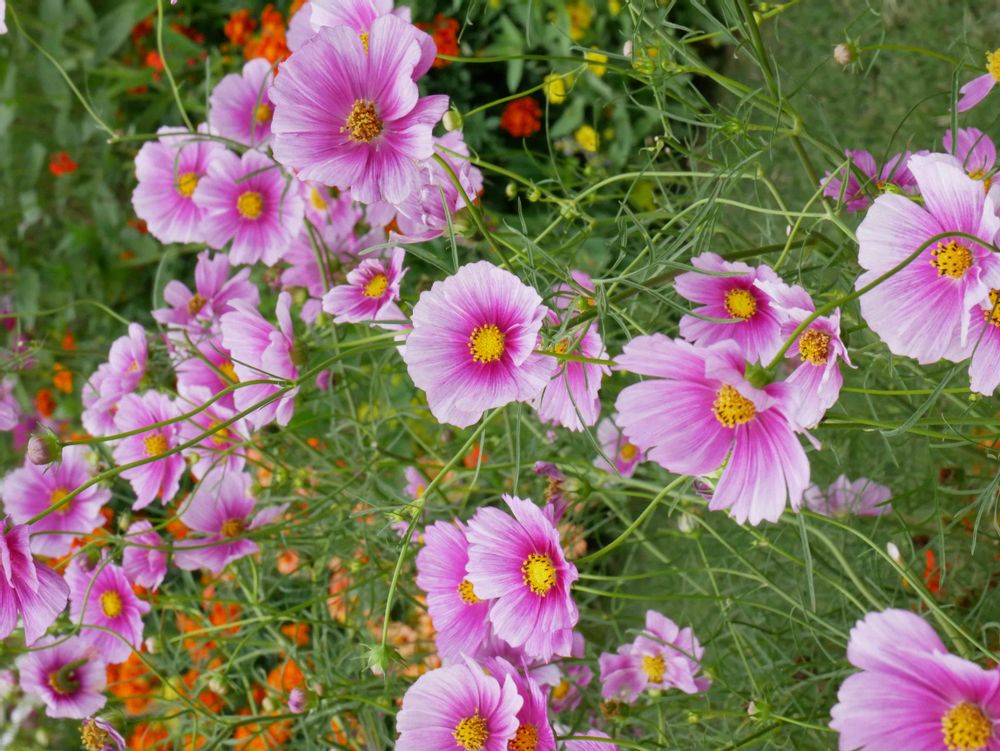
[(452, 120), (894, 553), (843, 54), (44, 449)]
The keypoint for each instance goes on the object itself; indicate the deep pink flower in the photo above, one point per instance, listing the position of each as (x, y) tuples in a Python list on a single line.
[(261, 351), (103, 597), (976, 90), (460, 617), (69, 678), (911, 693), (168, 171), (618, 448), (697, 408), (100, 395), (974, 149), (922, 311), (219, 508), (534, 731), (198, 312), (30, 590), (518, 562), (458, 707), (10, 410), (127, 358), (224, 448), (348, 114), (472, 343), (240, 108), (31, 489), (855, 193), (142, 562), (729, 291), (159, 478), (369, 290), (861, 497), (664, 656), (211, 369), (250, 202)]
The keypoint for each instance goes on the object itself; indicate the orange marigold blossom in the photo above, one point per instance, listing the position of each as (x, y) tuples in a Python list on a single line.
[(62, 379), (288, 562), (444, 32), (44, 402), (239, 27), (298, 633), (522, 117), (61, 163), (149, 737), (68, 342)]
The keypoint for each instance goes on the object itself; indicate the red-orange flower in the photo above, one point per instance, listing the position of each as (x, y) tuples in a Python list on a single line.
[(444, 32), (932, 574), (522, 117), (44, 402), (62, 379), (239, 27), (147, 737), (61, 163)]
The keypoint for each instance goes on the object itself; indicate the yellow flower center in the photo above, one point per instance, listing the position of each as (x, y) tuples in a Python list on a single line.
[(814, 346), (654, 668), (740, 303), (525, 739), (57, 495), (466, 592), (560, 691), (731, 408), (363, 123), (94, 737), (486, 343), (471, 733), (232, 527), (155, 444), (220, 437), (186, 183), (539, 573), (262, 114), (111, 604), (993, 314), (965, 728), (316, 199), (376, 286), (628, 452), (229, 371), (993, 64), (951, 259), (63, 682), (364, 40), (250, 204), (562, 346), (195, 304)]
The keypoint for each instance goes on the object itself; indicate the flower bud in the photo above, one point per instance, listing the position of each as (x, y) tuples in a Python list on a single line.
[(843, 54), (452, 120), (44, 449)]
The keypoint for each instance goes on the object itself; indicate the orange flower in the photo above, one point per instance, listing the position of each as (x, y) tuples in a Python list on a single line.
[(286, 676), (62, 379), (222, 613), (297, 632), (132, 682), (69, 342), (61, 163), (149, 737), (271, 19), (44, 402), (472, 459), (288, 562), (211, 700), (932, 574), (154, 61), (139, 225), (272, 736), (522, 117), (444, 32), (239, 27)]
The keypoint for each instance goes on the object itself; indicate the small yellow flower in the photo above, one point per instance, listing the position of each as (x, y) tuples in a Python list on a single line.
[(596, 62), (614, 7), (580, 15), (587, 138), (555, 88)]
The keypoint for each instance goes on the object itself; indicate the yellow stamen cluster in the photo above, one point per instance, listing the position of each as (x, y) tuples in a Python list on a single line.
[(486, 343), (965, 727), (195, 304), (262, 114), (363, 124), (186, 183), (993, 64), (93, 736), (654, 667), (467, 593), (376, 286), (539, 573), (814, 346), (525, 739), (951, 259), (250, 204), (731, 408), (628, 451), (154, 444), (472, 732), (111, 604), (740, 303), (232, 527), (57, 495)]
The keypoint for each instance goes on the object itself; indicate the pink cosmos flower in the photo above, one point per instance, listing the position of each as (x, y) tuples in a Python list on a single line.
[(976, 90), (168, 171), (304, 271), (103, 732), (975, 150), (29, 490), (10, 410), (219, 508), (425, 213), (697, 408), (460, 617), (211, 370), (103, 597), (617, 447), (591, 745), (369, 290), (729, 291), (472, 343), (571, 397), (347, 113), (296, 701), (198, 312), (100, 396), (458, 707), (127, 358), (159, 478), (240, 107), (984, 333), (416, 483), (223, 448), (69, 678), (565, 681), (947, 279), (533, 730), (142, 562), (360, 15), (911, 693), (518, 562), (300, 28), (854, 193), (664, 656), (861, 497), (250, 202), (817, 379), (261, 351), (30, 590)]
